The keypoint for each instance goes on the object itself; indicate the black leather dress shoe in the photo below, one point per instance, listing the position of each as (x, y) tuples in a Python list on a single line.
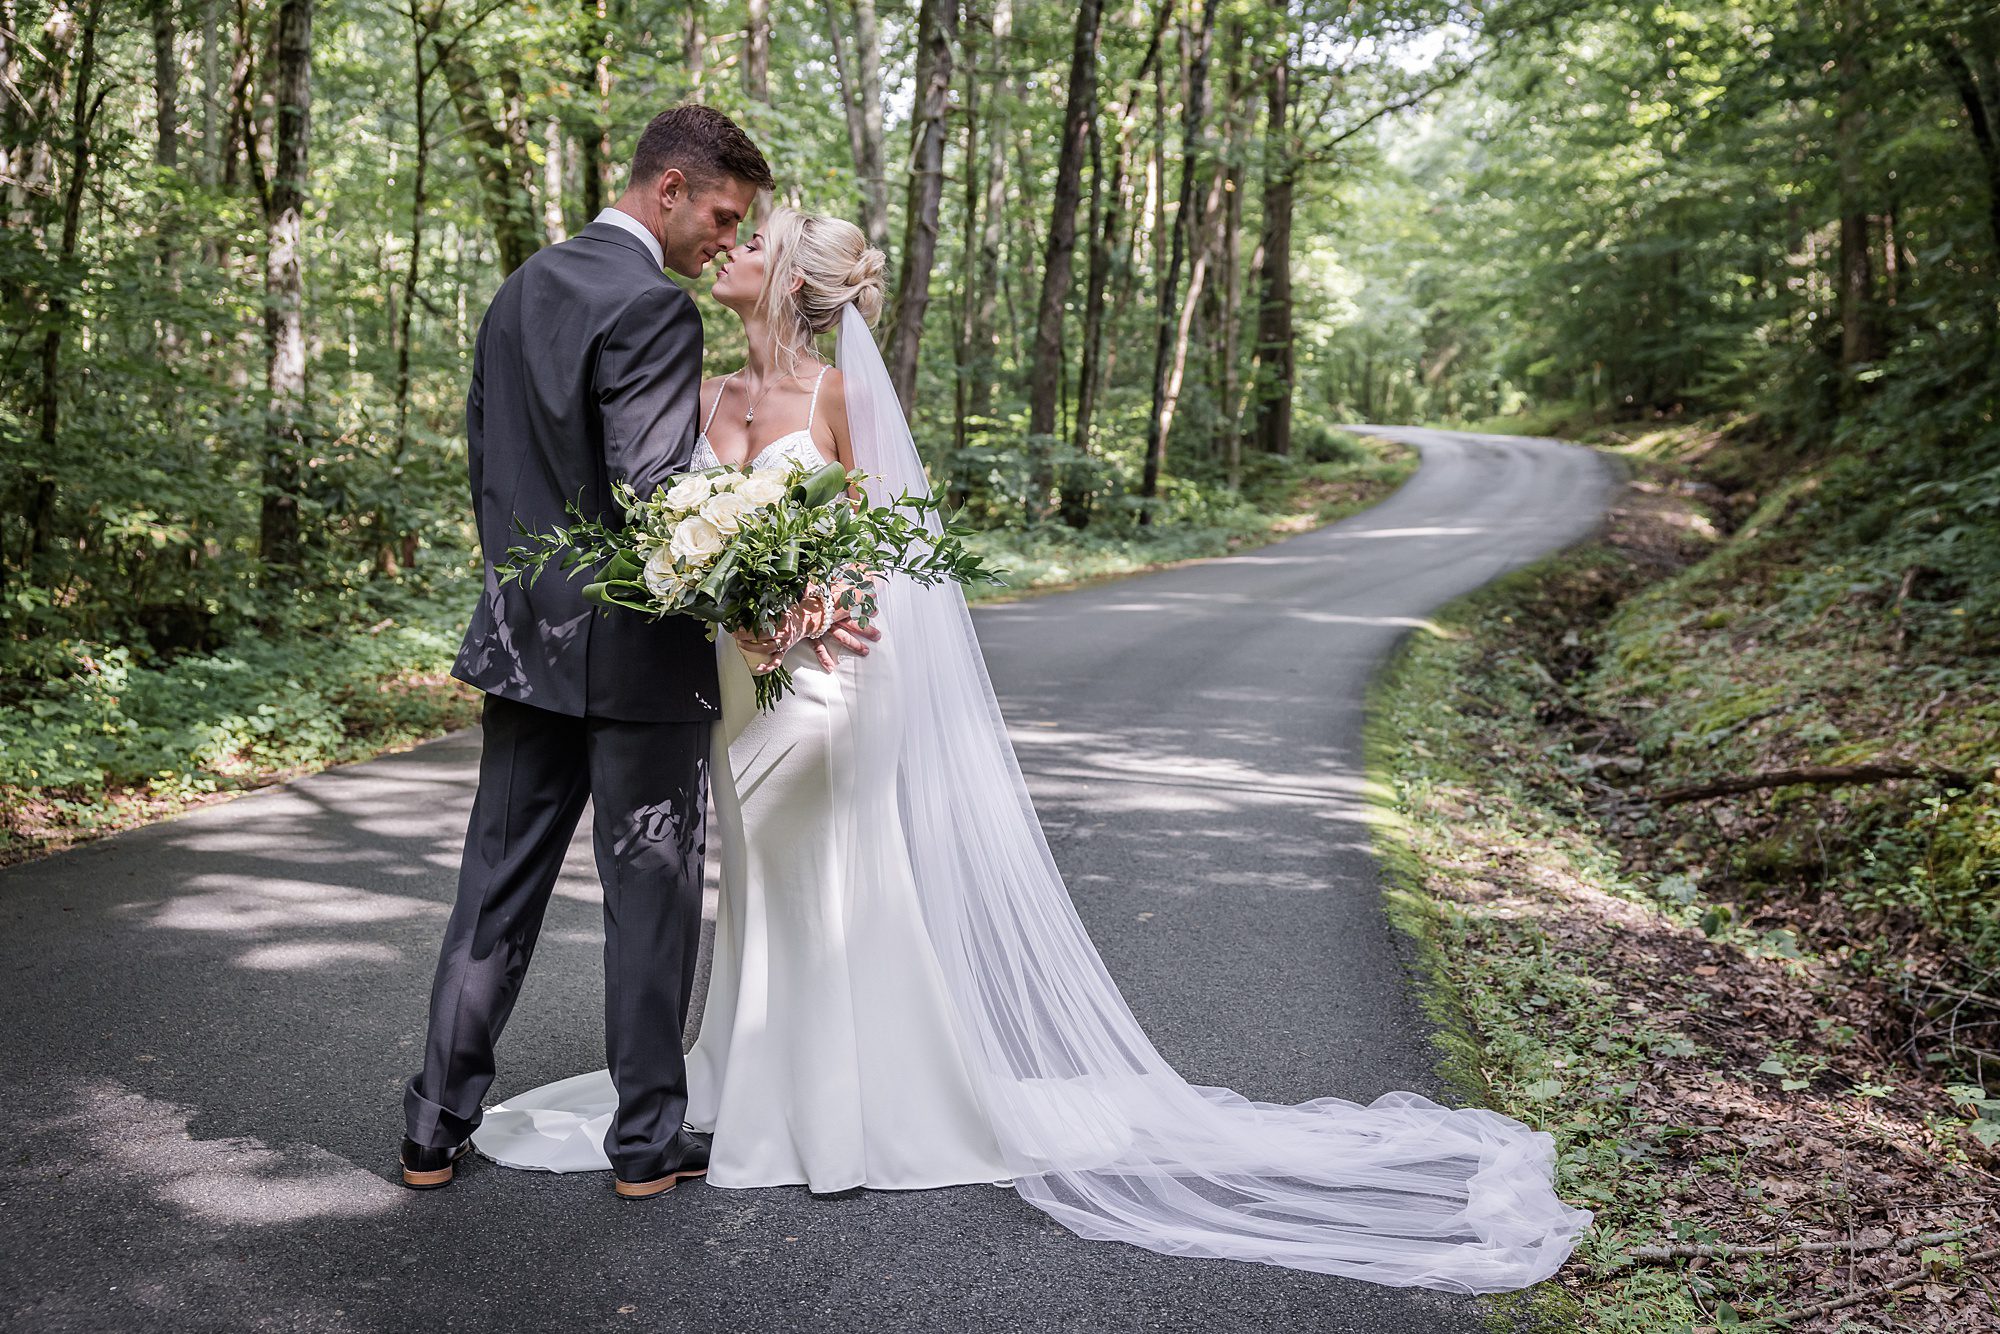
[(690, 1161), (425, 1168)]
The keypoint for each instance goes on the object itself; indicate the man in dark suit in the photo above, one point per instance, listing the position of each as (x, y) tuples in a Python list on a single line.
[(587, 372)]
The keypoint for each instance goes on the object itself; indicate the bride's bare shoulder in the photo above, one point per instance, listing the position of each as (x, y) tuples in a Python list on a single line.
[(710, 387)]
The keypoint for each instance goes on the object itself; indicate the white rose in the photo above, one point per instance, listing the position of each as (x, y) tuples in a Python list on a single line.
[(661, 577), (688, 492), (763, 488), (725, 481), (695, 539), (727, 511)]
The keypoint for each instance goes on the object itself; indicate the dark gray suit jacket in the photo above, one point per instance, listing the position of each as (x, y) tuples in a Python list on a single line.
[(587, 372)]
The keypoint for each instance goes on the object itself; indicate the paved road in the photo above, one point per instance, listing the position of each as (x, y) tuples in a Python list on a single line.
[(206, 1021)]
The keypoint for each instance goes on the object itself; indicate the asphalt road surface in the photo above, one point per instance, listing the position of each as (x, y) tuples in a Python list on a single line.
[(206, 1021)]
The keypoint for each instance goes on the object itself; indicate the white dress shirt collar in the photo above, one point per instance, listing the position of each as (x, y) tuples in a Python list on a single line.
[(620, 218)]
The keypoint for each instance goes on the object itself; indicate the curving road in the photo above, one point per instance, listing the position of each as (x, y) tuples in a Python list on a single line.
[(206, 1021)]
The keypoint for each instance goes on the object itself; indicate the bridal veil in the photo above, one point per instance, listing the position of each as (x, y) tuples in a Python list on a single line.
[(1097, 1128)]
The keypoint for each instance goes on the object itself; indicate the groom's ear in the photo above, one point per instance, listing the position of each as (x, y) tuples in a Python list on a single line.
[(671, 189)]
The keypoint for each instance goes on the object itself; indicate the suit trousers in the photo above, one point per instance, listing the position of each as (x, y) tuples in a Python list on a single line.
[(647, 786)]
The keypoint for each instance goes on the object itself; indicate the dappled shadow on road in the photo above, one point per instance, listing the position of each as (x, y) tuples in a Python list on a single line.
[(262, 969), (214, 1016)]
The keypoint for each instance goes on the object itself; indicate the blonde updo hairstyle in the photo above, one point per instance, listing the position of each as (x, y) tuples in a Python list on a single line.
[(832, 264)]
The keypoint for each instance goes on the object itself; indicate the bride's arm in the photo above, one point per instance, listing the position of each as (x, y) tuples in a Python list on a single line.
[(833, 396), (839, 624)]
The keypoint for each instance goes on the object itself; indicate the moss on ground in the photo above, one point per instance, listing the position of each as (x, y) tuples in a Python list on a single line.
[(1720, 1010)]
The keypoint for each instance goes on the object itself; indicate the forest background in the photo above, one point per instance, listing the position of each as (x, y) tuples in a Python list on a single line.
[(1704, 814), (1148, 256)]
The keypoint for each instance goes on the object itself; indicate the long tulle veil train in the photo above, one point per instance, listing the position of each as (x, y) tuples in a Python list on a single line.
[(1098, 1129)]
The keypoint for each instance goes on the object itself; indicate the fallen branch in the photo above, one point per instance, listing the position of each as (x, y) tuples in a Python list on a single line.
[(1880, 1290), (1723, 1250), (1814, 775)]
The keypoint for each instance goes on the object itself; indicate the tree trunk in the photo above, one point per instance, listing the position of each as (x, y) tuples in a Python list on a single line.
[(1050, 312), (1860, 334), (937, 30), (166, 87), (1076, 494), (981, 343), (1981, 99), (593, 143), (166, 147), (860, 75), (1194, 114), (12, 99), (503, 170), (1272, 387), (1204, 246), (1230, 430), (421, 35), (757, 52), (30, 182), (211, 93), (1109, 203), (694, 48), (968, 264), (83, 113), (553, 163), (278, 540)]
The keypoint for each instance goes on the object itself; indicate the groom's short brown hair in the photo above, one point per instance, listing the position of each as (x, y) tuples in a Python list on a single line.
[(703, 145)]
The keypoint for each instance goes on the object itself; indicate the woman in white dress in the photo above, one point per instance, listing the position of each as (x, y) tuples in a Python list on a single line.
[(902, 995)]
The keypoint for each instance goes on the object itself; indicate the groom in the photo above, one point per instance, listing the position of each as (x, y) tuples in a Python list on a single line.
[(587, 372)]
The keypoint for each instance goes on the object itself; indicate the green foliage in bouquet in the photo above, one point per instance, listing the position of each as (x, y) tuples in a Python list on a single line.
[(740, 550)]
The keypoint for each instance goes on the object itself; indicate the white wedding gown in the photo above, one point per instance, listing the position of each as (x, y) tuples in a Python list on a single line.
[(827, 1056), (902, 994)]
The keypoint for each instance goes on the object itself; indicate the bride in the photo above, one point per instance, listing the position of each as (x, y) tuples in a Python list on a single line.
[(902, 995)]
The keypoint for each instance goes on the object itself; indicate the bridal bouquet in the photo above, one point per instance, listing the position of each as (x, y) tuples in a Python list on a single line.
[(740, 549)]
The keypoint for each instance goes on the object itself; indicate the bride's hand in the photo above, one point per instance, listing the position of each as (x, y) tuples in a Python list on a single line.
[(808, 620), (840, 627)]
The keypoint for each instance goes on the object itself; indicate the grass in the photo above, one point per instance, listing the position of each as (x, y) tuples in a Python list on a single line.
[(1710, 1029), (1342, 475), (121, 740)]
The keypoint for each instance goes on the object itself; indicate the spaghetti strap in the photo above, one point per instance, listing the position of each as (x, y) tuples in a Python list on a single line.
[(709, 420), (813, 406)]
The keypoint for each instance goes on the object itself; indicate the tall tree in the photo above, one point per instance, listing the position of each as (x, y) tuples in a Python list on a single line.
[(1271, 393), (593, 136), (166, 87), (1109, 201), (278, 533), (1045, 373), (166, 143), (1975, 75), (694, 49), (85, 103), (211, 92), (1194, 117), (1860, 314), (757, 51), (937, 32), (860, 75), (499, 148), (986, 209)]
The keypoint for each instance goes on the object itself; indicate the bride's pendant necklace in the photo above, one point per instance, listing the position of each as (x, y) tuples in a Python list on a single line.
[(750, 413)]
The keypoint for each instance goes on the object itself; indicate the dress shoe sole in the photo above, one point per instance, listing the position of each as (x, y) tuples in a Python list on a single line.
[(645, 1190), (427, 1180), (436, 1178)]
